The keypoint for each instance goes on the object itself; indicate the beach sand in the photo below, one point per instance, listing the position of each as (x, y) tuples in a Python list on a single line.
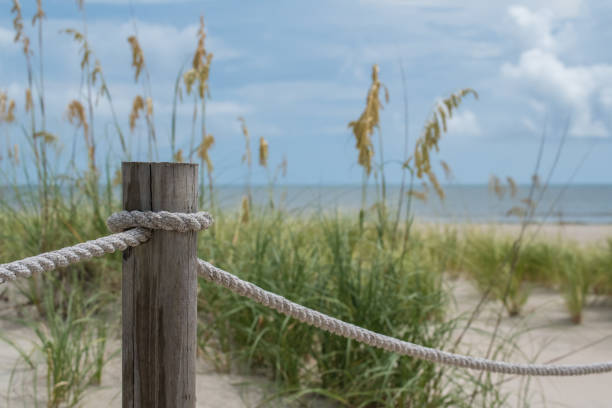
[(584, 234), (546, 334)]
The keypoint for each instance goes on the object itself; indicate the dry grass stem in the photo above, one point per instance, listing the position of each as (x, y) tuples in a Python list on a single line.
[(246, 158)]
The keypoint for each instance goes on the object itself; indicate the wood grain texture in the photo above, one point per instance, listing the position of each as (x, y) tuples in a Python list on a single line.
[(159, 292)]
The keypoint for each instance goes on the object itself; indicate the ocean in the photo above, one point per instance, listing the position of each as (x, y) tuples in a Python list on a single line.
[(572, 204), (575, 204)]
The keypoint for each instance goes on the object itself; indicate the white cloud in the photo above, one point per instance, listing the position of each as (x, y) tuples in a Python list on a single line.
[(577, 91), (6, 37), (566, 90), (164, 45), (562, 8), (535, 27), (465, 123)]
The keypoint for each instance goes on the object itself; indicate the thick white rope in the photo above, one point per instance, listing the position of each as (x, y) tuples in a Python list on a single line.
[(120, 241), (67, 256), (350, 331), (161, 220), (199, 221)]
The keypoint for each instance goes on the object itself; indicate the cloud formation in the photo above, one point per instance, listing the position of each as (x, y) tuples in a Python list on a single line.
[(580, 92)]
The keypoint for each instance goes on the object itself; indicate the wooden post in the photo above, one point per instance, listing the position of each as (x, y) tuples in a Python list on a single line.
[(159, 292)]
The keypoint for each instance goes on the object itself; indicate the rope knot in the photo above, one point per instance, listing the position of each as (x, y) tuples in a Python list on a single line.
[(160, 220)]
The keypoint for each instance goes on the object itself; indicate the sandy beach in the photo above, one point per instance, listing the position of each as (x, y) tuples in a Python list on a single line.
[(583, 234), (546, 335)]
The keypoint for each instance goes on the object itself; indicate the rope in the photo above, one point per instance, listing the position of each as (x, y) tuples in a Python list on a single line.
[(161, 220), (67, 256), (146, 221), (370, 338), (117, 222)]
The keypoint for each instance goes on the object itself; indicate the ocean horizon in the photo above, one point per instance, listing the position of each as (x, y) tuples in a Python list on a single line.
[(574, 204), (472, 203)]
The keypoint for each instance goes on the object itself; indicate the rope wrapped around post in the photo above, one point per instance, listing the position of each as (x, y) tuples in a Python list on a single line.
[(142, 222)]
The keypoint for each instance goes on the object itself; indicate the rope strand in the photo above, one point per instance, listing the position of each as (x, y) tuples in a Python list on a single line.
[(64, 257), (370, 338)]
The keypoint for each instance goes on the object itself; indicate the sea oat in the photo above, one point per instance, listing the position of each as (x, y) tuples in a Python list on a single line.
[(200, 66), (137, 56), (149, 102), (47, 137), (246, 158), (263, 152), (137, 106), (76, 116), (419, 195), (363, 128), (206, 144), (18, 26), (28, 98), (7, 108), (448, 173), (496, 187), (436, 185), (430, 138), (245, 211), (516, 211), (512, 185), (40, 13), (178, 156)]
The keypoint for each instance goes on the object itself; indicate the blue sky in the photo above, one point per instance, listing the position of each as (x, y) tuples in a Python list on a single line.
[(298, 72)]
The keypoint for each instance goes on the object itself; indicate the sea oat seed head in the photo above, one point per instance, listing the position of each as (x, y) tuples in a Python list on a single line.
[(206, 144), (29, 102), (137, 56), (137, 106), (246, 158), (263, 152), (512, 185), (40, 14), (245, 210), (363, 128), (149, 107), (178, 156)]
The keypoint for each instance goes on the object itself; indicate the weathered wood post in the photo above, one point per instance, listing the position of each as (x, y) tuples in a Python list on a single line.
[(159, 292)]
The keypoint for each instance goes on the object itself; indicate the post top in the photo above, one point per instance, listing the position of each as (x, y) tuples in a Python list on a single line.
[(136, 163)]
